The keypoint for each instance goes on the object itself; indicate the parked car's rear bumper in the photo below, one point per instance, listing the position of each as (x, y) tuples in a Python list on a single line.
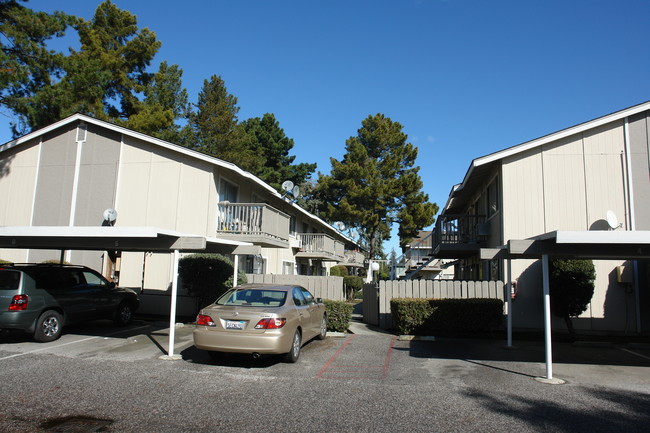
[(18, 320), (269, 342)]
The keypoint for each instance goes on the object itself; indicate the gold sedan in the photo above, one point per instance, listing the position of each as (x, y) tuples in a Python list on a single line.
[(261, 319)]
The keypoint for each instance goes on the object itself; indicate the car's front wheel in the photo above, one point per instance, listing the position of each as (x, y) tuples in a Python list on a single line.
[(323, 328), (123, 314), (48, 326), (296, 343)]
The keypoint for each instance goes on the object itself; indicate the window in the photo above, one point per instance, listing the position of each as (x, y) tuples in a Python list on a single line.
[(308, 296), (255, 264), (9, 280), (253, 298), (93, 279), (227, 191), (288, 268), (298, 297), (292, 225)]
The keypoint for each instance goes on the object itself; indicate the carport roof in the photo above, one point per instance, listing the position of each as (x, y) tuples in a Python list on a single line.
[(614, 244), (150, 239)]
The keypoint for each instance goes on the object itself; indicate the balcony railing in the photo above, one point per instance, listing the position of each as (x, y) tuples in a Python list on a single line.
[(320, 246), (459, 235), (460, 229), (258, 223), (354, 259)]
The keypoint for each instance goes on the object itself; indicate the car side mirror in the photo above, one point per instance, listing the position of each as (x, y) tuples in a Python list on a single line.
[(319, 300), (112, 285)]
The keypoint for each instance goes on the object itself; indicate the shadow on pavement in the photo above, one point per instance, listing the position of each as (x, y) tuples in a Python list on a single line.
[(531, 351), (93, 328), (626, 411), (239, 360)]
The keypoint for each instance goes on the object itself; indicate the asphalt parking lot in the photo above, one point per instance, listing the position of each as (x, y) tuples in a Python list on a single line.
[(101, 378)]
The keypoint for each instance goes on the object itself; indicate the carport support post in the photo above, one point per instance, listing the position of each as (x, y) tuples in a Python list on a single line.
[(236, 270), (547, 317), (172, 312), (509, 301)]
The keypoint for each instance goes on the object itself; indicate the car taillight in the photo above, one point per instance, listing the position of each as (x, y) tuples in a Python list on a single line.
[(204, 320), (18, 303), (271, 323)]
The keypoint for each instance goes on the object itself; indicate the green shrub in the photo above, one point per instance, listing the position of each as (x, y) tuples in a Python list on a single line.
[(208, 276), (446, 316), (339, 315), (4, 262), (571, 287), (352, 284), (338, 271), (410, 315), (466, 316), (55, 262)]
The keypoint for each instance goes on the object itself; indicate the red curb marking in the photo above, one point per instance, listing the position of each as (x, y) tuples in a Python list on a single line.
[(330, 371)]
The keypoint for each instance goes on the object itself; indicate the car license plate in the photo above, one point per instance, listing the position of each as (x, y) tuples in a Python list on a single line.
[(235, 324)]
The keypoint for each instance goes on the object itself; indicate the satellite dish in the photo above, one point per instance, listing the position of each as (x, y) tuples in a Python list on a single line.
[(340, 226), (287, 185), (296, 191), (110, 215), (612, 221)]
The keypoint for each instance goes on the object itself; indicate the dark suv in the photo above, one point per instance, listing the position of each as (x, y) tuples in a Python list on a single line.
[(41, 298)]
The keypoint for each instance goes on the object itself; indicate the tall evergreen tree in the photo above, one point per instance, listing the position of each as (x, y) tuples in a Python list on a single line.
[(165, 103), (26, 64), (102, 79), (270, 141), (376, 184), (217, 130)]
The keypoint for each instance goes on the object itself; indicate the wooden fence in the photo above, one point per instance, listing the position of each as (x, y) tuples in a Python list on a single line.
[(321, 287), (376, 298)]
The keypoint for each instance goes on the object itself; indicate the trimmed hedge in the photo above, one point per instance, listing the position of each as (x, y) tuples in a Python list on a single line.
[(339, 271), (352, 284), (339, 315), (446, 316)]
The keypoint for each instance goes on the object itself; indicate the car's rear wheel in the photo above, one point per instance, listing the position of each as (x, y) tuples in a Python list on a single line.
[(123, 314), (296, 343), (323, 328), (48, 326)]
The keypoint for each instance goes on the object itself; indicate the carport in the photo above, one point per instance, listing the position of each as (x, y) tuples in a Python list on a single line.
[(593, 245), (135, 239)]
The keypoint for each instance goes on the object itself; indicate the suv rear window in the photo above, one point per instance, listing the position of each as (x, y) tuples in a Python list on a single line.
[(9, 280)]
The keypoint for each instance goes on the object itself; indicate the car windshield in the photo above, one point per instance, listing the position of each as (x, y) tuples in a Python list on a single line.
[(253, 298)]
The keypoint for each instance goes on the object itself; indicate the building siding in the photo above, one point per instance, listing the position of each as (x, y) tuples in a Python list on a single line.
[(568, 184), (55, 177), (639, 132)]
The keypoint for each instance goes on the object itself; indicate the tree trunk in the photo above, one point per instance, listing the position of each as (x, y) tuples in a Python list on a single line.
[(569, 325)]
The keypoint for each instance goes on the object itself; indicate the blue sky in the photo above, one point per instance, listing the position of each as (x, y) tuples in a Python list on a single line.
[(464, 77)]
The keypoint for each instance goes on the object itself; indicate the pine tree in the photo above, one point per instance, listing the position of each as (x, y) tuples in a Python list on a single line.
[(270, 141), (376, 184), (26, 64)]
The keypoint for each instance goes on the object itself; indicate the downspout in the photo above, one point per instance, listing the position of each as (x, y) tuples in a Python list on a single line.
[(81, 138)]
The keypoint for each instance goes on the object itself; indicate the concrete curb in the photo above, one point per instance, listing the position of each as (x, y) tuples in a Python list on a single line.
[(336, 334), (416, 338)]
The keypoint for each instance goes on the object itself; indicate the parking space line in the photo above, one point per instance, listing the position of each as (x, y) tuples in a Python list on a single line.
[(68, 343), (331, 371), (634, 353)]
